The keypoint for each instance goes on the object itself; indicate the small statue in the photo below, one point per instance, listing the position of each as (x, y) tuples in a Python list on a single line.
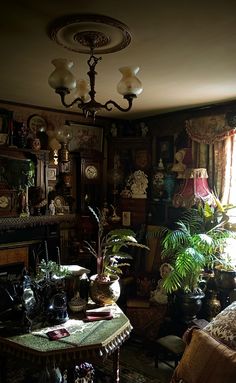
[(144, 129), (159, 295), (113, 130), (52, 208), (179, 167), (115, 218), (105, 214), (160, 165)]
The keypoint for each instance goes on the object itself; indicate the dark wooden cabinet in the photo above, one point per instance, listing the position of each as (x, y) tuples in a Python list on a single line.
[(137, 209), (163, 213), (124, 156), (21, 168)]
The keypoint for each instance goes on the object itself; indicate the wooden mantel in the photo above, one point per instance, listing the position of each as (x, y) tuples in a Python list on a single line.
[(8, 223)]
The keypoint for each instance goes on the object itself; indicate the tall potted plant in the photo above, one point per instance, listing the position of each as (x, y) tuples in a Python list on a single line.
[(111, 253), (194, 244)]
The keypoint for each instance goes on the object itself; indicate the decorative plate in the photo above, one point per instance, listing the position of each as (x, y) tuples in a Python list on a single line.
[(36, 124)]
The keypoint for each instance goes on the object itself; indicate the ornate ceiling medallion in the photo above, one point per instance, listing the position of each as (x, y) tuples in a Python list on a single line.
[(75, 32)]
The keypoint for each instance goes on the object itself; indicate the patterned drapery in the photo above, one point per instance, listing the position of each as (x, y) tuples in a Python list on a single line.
[(209, 129)]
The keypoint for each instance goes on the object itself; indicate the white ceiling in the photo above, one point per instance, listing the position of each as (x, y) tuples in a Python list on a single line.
[(186, 51)]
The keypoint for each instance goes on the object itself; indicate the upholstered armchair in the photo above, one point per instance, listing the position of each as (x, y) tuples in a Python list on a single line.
[(210, 353)]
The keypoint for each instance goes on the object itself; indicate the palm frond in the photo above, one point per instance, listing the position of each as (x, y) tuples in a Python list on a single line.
[(95, 215), (121, 255), (172, 282), (90, 248), (121, 232)]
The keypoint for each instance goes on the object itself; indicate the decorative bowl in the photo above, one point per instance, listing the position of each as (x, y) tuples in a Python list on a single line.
[(77, 304)]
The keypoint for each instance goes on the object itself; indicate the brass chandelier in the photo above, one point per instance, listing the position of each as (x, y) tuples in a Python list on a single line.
[(91, 34)]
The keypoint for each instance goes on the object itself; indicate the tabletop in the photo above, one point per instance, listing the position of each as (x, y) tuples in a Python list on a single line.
[(91, 339)]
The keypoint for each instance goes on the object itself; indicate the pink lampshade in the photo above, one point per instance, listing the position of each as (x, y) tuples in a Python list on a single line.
[(194, 189)]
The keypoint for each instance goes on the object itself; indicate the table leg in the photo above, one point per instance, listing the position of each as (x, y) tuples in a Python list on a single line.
[(3, 368), (116, 365), (50, 375), (45, 376)]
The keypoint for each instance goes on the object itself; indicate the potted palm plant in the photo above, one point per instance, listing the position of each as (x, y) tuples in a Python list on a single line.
[(111, 254), (193, 245)]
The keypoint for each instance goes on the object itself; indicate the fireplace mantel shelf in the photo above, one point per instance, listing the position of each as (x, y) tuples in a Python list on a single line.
[(8, 223)]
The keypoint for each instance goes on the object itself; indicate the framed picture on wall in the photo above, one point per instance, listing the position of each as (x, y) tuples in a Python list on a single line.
[(165, 149), (85, 136), (5, 118), (52, 174)]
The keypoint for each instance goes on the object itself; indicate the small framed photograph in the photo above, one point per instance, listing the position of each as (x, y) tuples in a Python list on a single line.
[(165, 149), (126, 218), (52, 174), (65, 167)]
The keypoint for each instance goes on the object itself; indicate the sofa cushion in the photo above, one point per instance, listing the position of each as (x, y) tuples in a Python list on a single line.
[(223, 326), (205, 360)]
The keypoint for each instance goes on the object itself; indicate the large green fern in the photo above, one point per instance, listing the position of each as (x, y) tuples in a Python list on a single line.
[(190, 247)]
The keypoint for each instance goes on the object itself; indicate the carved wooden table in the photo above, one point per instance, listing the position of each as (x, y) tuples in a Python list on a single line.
[(89, 341)]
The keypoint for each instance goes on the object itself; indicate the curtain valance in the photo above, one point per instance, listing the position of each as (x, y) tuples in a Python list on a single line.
[(209, 129)]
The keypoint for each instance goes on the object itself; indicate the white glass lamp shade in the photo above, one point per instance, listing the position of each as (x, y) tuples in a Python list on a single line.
[(129, 84), (59, 136), (62, 77), (68, 137), (82, 90), (63, 136)]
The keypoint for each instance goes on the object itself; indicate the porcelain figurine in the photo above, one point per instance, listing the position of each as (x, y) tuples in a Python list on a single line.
[(138, 184)]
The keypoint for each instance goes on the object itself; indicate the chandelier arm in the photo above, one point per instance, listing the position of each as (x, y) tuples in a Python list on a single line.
[(63, 94), (113, 103)]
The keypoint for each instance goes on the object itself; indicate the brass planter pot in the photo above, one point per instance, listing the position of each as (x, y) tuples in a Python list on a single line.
[(104, 293), (225, 279)]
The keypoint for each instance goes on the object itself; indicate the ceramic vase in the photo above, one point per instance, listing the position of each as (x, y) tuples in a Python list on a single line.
[(104, 292), (169, 182), (212, 305)]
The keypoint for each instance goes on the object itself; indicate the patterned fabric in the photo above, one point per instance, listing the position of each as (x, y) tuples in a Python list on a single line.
[(223, 326), (209, 129)]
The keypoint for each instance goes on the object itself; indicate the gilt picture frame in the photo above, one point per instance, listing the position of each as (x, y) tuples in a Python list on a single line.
[(165, 149)]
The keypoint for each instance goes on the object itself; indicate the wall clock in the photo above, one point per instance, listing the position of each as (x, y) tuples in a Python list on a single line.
[(91, 172)]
